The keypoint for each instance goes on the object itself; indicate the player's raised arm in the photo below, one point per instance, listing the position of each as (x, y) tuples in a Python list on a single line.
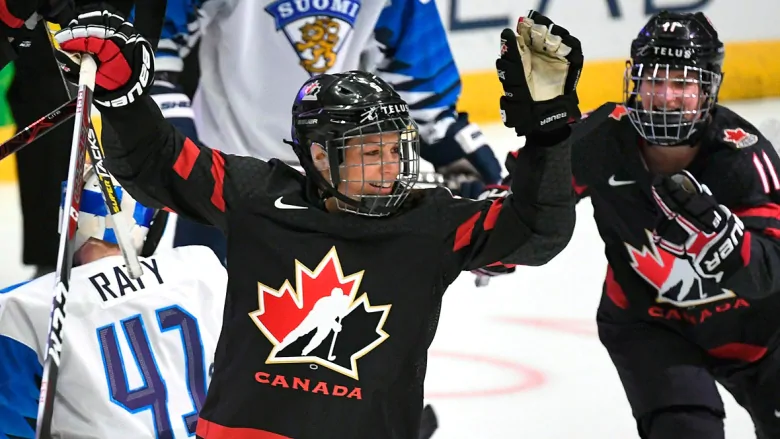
[(155, 162), (538, 69)]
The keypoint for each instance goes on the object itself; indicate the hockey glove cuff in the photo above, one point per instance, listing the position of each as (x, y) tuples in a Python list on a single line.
[(493, 192), (694, 226), (539, 68), (124, 58)]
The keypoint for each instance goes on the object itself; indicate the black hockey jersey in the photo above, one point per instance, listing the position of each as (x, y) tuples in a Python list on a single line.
[(643, 281), (329, 315)]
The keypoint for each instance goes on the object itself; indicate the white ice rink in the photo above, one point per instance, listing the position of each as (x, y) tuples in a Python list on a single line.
[(519, 358)]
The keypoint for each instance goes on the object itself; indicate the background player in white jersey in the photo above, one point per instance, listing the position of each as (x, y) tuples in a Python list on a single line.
[(136, 355), (254, 54)]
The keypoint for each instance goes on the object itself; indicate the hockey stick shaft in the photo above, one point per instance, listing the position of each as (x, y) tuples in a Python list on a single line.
[(68, 225), (38, 129), (121, 227)]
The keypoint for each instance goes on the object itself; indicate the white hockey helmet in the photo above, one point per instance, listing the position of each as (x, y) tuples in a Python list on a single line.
[(94, 220)]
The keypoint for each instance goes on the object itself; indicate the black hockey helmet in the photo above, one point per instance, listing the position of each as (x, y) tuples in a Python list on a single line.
[(333, 113), (672, 80)]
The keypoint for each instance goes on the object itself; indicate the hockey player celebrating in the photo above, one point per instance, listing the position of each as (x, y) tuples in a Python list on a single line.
[(686, 197), (354, 221), (305, 39), (136, 353)]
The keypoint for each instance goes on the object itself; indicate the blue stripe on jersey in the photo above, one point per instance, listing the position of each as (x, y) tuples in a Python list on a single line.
[(13, 287), (177, 35), (20, 374), (416, 46)]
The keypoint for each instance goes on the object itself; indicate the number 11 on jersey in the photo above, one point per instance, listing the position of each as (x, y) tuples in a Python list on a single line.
[(153, 393)]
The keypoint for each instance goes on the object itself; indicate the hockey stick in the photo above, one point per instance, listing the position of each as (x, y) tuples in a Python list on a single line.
[(68, 225), (121, 227), (38, 129), (332, 357)]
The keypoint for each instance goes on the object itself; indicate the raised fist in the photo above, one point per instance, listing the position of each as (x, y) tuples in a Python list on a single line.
[(125, 60), (539, 68)]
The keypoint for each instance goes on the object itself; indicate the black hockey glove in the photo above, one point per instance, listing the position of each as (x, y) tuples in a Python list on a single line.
[(539, 69), (19, 12), (124, 58), (694, 226), (484, 274)]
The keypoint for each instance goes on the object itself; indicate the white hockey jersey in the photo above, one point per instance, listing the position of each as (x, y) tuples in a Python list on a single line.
[(136, 354), (255, 55)]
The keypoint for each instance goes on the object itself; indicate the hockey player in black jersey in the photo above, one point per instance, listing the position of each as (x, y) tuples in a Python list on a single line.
[(336, 277), (686, 197)]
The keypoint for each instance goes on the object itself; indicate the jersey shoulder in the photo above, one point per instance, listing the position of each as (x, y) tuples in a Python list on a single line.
[(595, 142), (732, 132), (740, 159)]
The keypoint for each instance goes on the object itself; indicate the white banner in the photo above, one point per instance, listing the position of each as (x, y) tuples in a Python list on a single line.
[(605, 27)]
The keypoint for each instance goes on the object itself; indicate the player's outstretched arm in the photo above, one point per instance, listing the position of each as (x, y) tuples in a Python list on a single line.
[(535, 220), (155, 162)]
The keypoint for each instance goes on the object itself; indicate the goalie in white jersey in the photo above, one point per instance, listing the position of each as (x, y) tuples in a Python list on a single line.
[(136, 354)]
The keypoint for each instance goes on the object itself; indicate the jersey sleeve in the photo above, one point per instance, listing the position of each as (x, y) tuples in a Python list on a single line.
[(20, 366), (164, 169), (181, 30), (529, 226), (411, 52), (756, 179)]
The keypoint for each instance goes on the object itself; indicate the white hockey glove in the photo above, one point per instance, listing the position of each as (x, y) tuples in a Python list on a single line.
[(539, 69)]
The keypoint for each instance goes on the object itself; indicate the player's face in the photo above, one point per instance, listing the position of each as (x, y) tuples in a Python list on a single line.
[(371, 164), (662, 89)]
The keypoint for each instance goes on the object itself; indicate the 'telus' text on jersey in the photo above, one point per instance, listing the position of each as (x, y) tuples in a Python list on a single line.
[(316, 29)]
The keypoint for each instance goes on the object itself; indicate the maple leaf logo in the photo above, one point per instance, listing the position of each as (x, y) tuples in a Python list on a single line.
[(618, 112), (322, 320), (673, 277), (739, 137)]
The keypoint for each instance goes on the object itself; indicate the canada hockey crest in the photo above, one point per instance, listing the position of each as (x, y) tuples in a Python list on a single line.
[(323, 320), (739, 137), (316, 29), (674, 278)]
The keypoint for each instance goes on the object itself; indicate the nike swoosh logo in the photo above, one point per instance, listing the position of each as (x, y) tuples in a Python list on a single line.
[(613, 182), (280, 205)]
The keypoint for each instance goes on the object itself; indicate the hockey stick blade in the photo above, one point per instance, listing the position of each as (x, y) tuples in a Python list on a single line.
[(68, 225)]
